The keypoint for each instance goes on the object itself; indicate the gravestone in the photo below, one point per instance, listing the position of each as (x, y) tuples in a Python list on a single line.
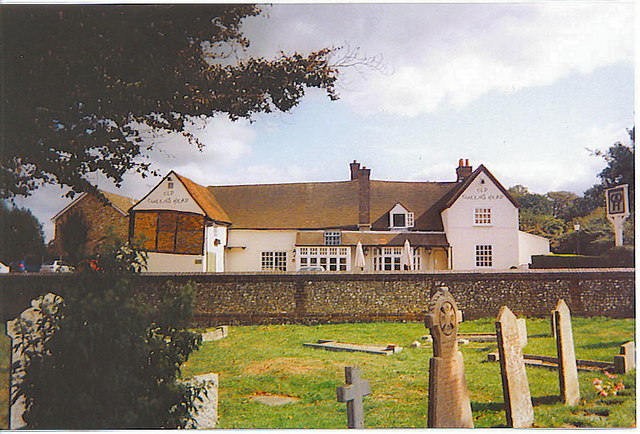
[(522, 332), (22, 331), (216, 334), (515, 385), (206, 411), (567, 366), (449, 405), (626, 361), (352, 394)]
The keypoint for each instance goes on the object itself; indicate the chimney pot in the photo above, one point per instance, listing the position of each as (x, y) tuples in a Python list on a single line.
[(460, 162)]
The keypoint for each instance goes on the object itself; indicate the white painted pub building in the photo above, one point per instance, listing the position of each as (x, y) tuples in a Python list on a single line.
[(357, 225)]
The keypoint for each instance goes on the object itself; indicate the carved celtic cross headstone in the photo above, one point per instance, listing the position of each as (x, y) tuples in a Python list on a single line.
[(567, 366), (352, 393), (515, 385), (449, 405)]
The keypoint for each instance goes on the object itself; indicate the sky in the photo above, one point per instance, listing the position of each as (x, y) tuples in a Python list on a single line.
[(527, 89)]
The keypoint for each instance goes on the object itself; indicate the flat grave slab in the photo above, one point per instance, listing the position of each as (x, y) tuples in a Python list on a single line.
[(331, 345), (552, 362), (274, 400)]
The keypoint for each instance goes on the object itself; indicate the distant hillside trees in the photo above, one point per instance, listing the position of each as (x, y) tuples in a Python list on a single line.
[(554, 215)]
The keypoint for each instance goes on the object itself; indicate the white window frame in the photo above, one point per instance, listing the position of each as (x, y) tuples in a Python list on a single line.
[(330, 258), (274, 261), (484, 255), (388, 259), (332, 238), (482, 217), (409, 217)]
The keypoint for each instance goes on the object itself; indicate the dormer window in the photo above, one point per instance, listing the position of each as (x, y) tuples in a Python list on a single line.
[(332, 238), (400, 218)]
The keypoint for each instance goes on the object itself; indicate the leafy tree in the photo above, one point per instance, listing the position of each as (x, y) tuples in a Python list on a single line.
[(562, 204), (73, 236), (82, 82), (103, 358), (21, 235)]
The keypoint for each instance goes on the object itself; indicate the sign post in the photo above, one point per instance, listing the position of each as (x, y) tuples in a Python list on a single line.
[(617, 199)]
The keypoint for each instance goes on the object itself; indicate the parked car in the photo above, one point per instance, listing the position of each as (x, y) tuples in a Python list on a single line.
[(4, 269), (312, 268), (56, 267)]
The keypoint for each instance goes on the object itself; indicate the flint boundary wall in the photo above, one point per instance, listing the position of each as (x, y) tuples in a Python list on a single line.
[(240, 298)]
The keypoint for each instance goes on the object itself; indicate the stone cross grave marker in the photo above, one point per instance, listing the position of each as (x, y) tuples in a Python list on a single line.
[(449, 405), (626, 361), (567, 366), (352, 394), (515, 385)]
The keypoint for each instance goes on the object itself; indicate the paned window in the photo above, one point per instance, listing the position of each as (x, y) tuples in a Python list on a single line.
[(482, 216), (484, 256), (389, 259), (329, 258), (274, 261), (402, 220), (332, 238)]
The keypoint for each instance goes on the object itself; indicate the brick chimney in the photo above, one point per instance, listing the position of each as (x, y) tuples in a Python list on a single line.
[(463, 170), (362, 175)]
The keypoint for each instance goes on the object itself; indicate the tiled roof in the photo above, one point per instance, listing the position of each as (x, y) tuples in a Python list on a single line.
[(321, 205), (375, 238), (122, 203), (205, 200)]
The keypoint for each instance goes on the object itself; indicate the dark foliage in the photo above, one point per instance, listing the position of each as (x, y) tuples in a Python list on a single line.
[(73, 236), (82, 81), (21, 235), (105, 359)]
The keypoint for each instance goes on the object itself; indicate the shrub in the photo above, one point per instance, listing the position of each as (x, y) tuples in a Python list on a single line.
[(109, 360)]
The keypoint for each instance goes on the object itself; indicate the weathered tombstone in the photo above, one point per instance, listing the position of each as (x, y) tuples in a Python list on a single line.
[(626, 361), (449, 405), (567, 366), (522, 332), (515, 385), (352, 394), (206, 414), (216, 334), (23, 331)]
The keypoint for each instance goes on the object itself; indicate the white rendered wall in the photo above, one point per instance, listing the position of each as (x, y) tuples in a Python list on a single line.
[(215, 239), (255, 242), (164, 198), (532, 245), (501, 234), (174, 263)]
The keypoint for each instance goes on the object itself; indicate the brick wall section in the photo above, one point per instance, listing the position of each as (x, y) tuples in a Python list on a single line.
[(312, 298), (100, 219)]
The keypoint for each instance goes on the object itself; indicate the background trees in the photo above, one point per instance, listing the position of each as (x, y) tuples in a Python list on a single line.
[(83, 81), (554, 215), (21, 235)]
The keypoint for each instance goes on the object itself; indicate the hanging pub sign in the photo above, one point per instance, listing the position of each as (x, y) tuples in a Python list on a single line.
[(617, 200)]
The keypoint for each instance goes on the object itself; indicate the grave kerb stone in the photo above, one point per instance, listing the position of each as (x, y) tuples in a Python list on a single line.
[(626, 361)]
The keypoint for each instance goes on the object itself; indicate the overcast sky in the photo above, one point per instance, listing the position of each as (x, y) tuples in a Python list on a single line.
[(525, 89)]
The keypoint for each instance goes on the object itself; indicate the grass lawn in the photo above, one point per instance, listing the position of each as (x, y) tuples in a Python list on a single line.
[(264, 360)]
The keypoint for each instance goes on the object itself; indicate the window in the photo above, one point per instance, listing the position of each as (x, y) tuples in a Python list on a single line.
[(399, 221), (330, 258), (484, 256), (274, 261), (388, 259), (482, 216), (332, 238)]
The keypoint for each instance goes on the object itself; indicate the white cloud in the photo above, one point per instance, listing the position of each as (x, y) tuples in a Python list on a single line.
[(450, 55)]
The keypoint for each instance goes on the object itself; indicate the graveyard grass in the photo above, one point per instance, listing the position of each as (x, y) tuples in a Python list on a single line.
[(270, 360)]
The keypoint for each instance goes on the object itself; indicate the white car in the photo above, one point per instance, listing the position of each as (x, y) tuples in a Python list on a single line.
[(4, 269), (56, 267)]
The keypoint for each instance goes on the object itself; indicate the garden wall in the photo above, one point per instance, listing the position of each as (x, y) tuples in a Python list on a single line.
[(311, 298)]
